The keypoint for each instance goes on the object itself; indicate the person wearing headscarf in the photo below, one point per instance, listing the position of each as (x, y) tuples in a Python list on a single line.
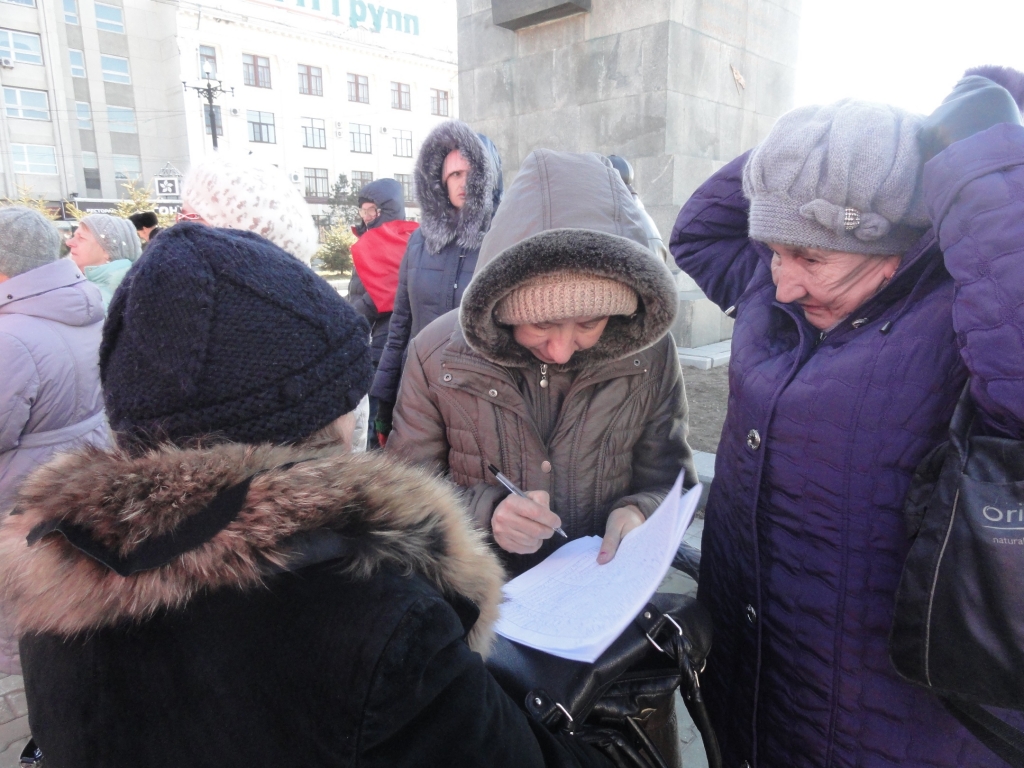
[(459, 187), (239, 193), (873, 259), (104, 247), (230, 586)]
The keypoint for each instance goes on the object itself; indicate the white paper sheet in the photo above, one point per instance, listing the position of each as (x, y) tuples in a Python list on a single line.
[(574, 608)]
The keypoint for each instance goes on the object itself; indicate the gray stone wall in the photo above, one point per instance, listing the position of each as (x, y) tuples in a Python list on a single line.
[(651, 80)]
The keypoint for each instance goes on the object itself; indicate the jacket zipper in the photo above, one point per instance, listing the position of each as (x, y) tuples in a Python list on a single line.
[(544, 376)]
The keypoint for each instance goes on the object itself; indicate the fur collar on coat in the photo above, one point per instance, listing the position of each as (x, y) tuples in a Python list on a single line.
[(442, 223), (568, 212), (386, 513)]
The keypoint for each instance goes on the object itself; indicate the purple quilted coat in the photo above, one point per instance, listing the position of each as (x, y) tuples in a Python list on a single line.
[(804, 540)]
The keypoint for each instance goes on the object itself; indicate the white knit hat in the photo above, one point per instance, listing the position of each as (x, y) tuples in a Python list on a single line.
[(242, 194)]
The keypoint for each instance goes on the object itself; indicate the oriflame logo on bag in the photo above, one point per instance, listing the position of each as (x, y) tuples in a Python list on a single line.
[(997, 515)]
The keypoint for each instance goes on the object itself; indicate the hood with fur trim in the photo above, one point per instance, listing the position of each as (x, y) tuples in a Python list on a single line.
[(568, 212), (442, 223), (370, 510)]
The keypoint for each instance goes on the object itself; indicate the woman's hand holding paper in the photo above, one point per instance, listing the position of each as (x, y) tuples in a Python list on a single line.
[(620, 522), (521, 525)]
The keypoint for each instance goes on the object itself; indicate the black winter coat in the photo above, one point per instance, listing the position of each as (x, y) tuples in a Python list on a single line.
[(429, 285), (380, 322), (331, 622), (441, 256)]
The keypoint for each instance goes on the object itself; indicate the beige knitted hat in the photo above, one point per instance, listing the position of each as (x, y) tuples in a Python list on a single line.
[(559, 295)]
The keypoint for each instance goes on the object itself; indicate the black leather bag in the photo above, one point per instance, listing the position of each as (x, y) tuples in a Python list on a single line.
[(606, 703), (958, 627)]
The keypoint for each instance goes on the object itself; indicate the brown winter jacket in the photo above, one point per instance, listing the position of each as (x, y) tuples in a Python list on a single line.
[(473, 397)]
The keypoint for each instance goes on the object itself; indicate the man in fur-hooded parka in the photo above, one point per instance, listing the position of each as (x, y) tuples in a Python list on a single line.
[(442, 253), (268, 600), (603, 431)]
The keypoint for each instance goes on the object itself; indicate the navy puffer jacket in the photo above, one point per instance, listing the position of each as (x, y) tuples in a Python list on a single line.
[(442, 253), (804, 539)]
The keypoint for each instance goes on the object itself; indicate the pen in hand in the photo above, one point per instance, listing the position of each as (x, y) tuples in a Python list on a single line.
[(514, 489)]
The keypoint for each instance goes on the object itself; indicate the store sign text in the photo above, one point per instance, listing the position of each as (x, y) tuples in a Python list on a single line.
[(360, 12)]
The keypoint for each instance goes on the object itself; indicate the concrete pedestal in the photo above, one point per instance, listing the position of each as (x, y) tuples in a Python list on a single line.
[(677, 87)]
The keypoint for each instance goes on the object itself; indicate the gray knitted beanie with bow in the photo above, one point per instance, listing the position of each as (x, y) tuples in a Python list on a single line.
[(117, 235), (843, 177)]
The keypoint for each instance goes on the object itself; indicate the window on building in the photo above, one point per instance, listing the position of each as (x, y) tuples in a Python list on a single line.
[(208, 61), (360, 179), (34, 158), (403, 143), (77, 59), (21, 46), (314, 134), (91, 170), (30, 105), (84, 114), (109, 18), (28, 3), (405, 179), (359, 138), (401, 96), (317, 184), (70, 11), (358, 88), (438, 102), (256, 70), (217, 118), (311, 80), (115, 69), (121, 120), (127, 167), (261, 127)]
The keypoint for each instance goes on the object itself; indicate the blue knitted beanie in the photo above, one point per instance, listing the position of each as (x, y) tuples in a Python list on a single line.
[(219, 333)]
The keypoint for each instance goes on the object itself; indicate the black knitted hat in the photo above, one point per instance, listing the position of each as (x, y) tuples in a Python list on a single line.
[(220, 333)]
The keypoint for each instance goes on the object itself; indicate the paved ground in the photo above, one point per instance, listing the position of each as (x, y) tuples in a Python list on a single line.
[(13, 719), (708, 394)]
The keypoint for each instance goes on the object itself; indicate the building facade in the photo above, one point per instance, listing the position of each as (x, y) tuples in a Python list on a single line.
[(320, 88), (94, 91), (677, 87), (91, 96)]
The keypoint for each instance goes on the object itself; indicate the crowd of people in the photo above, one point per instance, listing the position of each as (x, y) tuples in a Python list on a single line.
[(248, 522)]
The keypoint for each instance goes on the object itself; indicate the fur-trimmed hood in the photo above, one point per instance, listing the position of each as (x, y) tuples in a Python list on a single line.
[(568, 212), (441, 222), (136, 512)]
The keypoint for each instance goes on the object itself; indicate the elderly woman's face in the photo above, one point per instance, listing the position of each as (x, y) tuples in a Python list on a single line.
[(86, 250), (555, 342), (828, 285)]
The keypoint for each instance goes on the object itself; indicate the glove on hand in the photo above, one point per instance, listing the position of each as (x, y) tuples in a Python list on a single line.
[(975, 104), (382, 422)]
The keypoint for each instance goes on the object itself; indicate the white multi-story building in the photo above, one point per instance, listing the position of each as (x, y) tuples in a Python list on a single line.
[(93, 90), (321, 87)]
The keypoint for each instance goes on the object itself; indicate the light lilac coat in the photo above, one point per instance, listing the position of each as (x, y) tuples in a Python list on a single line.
[(51, 320)]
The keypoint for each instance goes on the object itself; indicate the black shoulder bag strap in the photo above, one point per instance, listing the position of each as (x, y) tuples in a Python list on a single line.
[(1005, 740)]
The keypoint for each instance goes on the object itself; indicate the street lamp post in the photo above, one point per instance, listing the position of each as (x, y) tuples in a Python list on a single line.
[(210, 92)]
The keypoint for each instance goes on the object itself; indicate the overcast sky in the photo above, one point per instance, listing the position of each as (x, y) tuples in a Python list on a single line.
[(904, 52)]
